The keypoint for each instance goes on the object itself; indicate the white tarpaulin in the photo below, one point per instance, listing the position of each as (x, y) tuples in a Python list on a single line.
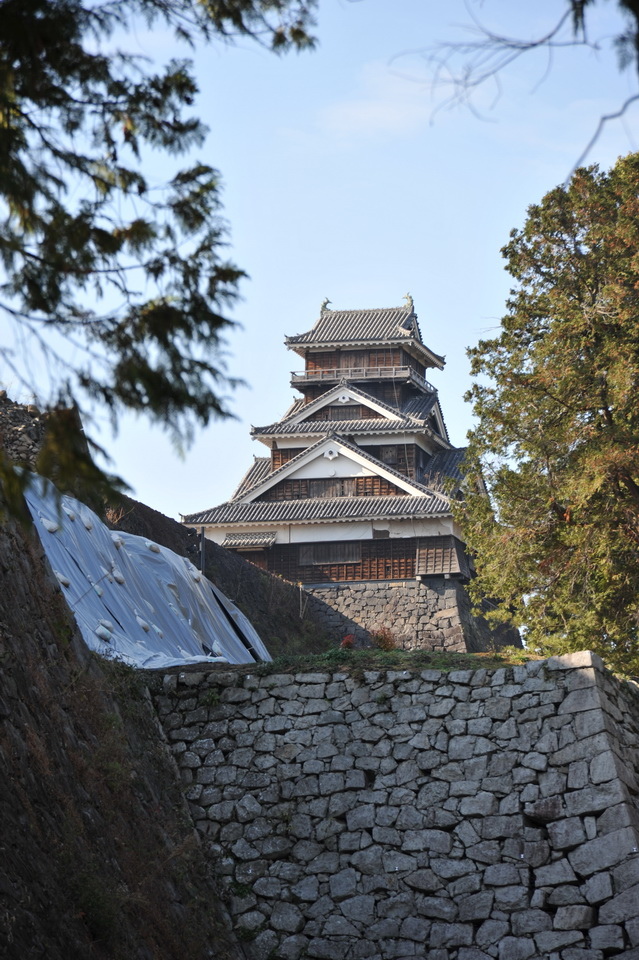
[(134, 599)]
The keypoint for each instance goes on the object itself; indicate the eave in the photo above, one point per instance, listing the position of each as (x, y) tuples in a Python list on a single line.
[(370, 427), (394, 421), (419, 350), (273, 513)]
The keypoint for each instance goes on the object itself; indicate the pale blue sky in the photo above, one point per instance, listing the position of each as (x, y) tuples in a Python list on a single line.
[(340, 182)]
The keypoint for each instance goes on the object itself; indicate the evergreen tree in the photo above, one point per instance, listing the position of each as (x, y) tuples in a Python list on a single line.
[(557, 439), (130, 275)]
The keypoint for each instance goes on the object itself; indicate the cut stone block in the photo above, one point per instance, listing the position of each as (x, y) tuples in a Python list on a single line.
[(574, 917), (603, 852), (621, 908)]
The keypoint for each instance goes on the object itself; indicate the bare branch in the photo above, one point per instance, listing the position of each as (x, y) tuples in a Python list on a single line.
[(461, 68), (485, 58), (602, 123)]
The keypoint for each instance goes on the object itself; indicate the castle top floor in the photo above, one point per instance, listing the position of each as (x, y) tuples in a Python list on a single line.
[(363, 331)]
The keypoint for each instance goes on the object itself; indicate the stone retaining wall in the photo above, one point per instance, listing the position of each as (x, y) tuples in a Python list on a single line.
[(22, 431), (433, 614), (468, 816)]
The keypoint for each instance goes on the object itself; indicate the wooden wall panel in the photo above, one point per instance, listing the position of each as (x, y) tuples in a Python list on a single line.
[(280, 457), (329, 488), (377, 487), (287, 490), (392, 559), (406, 457), (322, 361)]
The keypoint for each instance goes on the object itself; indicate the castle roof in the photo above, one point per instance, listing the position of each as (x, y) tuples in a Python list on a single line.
[(384, 326), (336, 438), (374, 425), (411, 417), (245, 541), (444, 465), (432, 502), (258, 471), (323, 510)]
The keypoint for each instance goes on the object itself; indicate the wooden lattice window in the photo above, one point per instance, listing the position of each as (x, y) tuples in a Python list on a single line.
[(388, 454), (329, 488), (312, 554), (342, 412), (346, 412)]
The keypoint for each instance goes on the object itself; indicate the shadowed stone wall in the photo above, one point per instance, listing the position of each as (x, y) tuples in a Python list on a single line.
[(433, 614), (22, 430), (99, 858), (468, 816)]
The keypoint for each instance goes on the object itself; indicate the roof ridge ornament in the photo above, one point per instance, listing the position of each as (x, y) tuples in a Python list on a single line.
[(325, 305), (409, 302)]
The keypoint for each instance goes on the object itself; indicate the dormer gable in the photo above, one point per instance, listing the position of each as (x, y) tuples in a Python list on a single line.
[(333, 456), (342, 396)]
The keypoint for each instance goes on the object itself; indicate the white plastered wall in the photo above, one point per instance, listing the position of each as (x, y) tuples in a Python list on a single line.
[(324, 467), (353, 530)]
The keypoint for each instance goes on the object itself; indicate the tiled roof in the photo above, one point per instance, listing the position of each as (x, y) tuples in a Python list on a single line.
[(336, 326), (311, 427), (238, 540), (433, 502), (258, 471), (403, 411), (443, 465), (420, 406), (384, 327), (295, 407), (415, 410), (322, 510)]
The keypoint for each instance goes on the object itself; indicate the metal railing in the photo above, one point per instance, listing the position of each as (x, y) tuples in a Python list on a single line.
[(361, 373)]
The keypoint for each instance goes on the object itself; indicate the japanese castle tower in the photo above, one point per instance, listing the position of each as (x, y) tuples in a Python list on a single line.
[(353, 500)]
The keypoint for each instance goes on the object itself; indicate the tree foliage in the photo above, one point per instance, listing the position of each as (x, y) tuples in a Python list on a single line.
[(99, 261), (558, 424)]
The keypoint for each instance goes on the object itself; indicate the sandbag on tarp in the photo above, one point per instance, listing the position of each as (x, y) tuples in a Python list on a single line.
[(133, 599)]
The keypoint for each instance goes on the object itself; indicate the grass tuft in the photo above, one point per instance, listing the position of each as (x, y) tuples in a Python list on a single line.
[(415, 660)]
